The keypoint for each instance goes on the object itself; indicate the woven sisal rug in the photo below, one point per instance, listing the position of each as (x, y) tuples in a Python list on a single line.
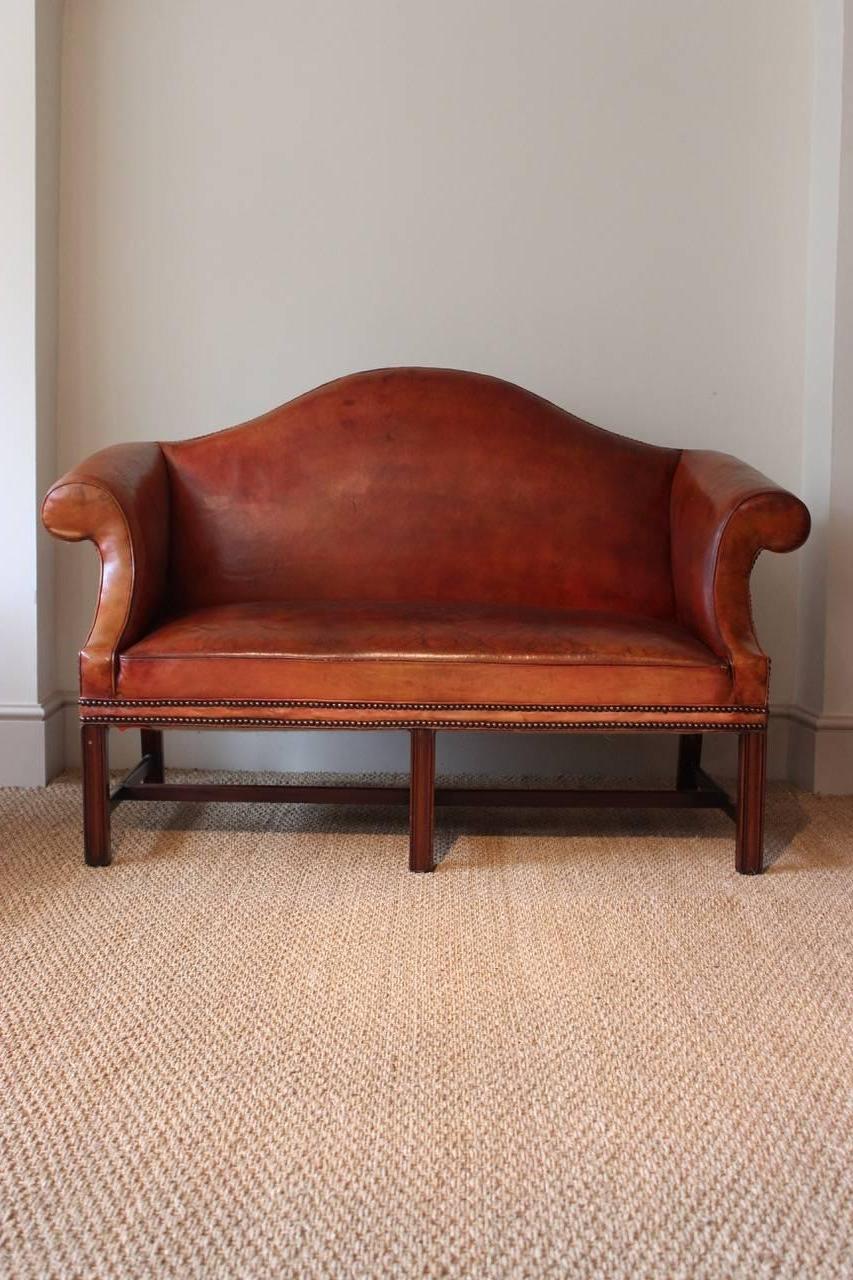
[(258, 1046)]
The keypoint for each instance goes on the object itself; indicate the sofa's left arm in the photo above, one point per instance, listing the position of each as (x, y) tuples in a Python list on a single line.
[(724, 513), (118, 499)]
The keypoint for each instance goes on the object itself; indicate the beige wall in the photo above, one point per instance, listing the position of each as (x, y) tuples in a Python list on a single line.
[(30, 729), (835, 760), (605, 202), (821, 724), (18, 671)]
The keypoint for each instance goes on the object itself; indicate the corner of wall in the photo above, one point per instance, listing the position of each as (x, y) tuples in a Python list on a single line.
[(32, 747)]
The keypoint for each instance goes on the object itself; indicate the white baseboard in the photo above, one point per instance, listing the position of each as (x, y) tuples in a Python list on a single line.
[(816, 752), (820, 751), (490, 754), (495, 755), (32, 749)]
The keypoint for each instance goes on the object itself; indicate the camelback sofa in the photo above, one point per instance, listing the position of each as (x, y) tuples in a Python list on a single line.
[(424, 549)]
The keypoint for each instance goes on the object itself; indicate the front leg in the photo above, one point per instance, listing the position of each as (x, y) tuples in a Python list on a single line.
[(96, 795), (422, 800), (751, 789)]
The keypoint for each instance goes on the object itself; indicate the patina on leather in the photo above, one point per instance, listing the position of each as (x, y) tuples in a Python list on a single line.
[(424, 549), (422, 546)]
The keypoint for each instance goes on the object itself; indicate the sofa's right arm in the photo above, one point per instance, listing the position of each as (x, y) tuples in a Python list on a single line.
[(723, 514), (118, 499)]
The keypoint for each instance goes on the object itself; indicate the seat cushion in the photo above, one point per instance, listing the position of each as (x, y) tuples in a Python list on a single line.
[(449, 654)]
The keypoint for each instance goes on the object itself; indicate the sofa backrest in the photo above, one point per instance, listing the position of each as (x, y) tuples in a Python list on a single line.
[(422, 485)]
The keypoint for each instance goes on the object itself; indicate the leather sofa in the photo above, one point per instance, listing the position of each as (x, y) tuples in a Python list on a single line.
[(424, 549)]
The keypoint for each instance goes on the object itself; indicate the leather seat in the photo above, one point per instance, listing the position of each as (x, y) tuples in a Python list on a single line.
[(442, 653)]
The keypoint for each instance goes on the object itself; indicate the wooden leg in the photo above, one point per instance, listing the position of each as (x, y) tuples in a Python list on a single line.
[(96, 795), (152, 746), (422, 800), (752, 772), (689, 759)]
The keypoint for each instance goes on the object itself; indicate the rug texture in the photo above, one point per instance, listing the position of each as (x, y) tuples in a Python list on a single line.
[(257, 1046)]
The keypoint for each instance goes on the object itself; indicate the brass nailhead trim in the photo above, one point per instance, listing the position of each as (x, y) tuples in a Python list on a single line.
[(409, 706), (661, 725)]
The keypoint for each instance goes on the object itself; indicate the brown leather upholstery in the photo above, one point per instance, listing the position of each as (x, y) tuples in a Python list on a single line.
[(723, 514), (435, 653), (425, 486), (419, 545)]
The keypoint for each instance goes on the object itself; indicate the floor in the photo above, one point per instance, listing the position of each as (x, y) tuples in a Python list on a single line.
[(257, 1046)]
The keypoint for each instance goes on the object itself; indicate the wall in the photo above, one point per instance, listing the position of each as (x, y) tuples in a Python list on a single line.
[(834, 764), (30, 728), (18, 672), (821, 741), (606, 203)]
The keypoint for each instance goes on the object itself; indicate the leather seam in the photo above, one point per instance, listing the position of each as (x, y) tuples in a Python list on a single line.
[(130, 595), (204, 656), (718, 552)]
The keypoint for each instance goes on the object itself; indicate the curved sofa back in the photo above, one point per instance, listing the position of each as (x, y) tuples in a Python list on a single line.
[(426, 485)]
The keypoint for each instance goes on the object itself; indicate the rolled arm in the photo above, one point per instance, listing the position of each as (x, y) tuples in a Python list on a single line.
[(118, 499), (724, 513)]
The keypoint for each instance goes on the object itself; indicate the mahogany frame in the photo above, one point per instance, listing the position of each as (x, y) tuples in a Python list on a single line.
[(694, 789)]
